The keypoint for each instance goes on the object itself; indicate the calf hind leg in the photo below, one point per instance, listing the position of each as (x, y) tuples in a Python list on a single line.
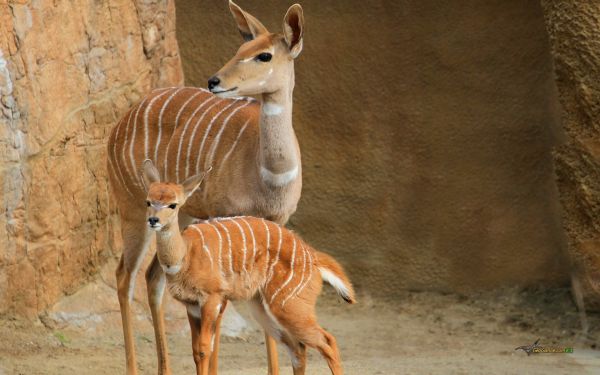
[(303, 327)]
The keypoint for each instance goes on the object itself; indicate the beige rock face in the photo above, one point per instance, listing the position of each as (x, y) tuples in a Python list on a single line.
[(575, 39), (426, 131), (68, 70)]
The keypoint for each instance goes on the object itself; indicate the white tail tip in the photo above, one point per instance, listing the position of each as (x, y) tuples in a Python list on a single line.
[(336, 283)]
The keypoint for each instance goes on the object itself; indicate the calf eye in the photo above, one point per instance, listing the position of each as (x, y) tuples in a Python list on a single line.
[(264, 57), (148, 203), (172, 206)]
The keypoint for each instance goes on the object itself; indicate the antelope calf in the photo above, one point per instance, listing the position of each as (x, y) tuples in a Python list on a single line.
[(242, 258)]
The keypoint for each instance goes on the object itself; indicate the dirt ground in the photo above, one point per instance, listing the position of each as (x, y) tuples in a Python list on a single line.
[(421, 333)]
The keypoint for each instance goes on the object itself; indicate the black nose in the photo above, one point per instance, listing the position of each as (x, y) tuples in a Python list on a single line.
[(213, 82), (153, 220)]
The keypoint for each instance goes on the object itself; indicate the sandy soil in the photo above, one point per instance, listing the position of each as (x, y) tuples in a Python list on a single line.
[(422, 333)]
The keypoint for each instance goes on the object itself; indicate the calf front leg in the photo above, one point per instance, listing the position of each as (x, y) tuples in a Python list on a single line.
[(195, 327), (211, 310)]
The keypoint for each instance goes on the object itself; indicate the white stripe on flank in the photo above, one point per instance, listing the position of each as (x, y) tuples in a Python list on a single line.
[(267, 246), (253, 259), (135, 177), (276, 257), (166, 176), (244, 249), (191, 138), (310, 269), (124, 150), (146, 114), (232, 147), (160, 117), (301, 279), (207, 131), (229, 244), (204, 247), (220, 247), (291, 272), (217, 139), (187, 123), (115, 158)]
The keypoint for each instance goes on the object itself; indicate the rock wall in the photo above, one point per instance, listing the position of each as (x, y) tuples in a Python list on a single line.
[(575, 40), (426, 129), (68, 71)]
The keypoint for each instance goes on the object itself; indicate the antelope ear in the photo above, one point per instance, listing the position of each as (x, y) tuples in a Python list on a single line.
[(248, 25), (293, 29), (149, 173), (191, 184)]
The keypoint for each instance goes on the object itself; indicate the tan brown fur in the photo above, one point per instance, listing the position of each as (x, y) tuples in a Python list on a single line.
[(250, 144), (250, 259)]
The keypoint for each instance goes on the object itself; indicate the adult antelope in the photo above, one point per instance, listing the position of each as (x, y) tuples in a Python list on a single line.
[(250, 143), (243, 258)]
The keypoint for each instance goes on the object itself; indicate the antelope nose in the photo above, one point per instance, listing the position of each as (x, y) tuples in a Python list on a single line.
[(213, 82), (153, 220)]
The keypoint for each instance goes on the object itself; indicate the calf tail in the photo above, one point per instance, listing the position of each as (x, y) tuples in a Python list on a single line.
[(333, 273)]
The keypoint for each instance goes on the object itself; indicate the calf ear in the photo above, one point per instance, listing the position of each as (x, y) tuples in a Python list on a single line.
[(191, 184), (248, 25), (149, 173), (293, 29)]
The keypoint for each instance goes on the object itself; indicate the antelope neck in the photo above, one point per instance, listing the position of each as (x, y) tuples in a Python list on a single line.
[(170, 244), (278, 152)]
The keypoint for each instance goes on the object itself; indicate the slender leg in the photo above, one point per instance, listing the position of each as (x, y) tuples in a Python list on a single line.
[(214, 358), (155, 281), (327, 346), (300, 364), (297, 352), (135, 240), (272, 358), (195, 330), (210, 311)]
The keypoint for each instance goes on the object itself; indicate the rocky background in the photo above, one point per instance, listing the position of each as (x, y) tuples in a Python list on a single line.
[(68, 71), (427, 131), (575, 38)]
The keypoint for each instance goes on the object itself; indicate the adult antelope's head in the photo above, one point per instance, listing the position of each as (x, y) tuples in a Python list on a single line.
[(265, 62), (164, 199)]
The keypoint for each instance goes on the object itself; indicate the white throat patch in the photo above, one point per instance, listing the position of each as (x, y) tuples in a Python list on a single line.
[(173, 270), (278, 179), (271, 109)]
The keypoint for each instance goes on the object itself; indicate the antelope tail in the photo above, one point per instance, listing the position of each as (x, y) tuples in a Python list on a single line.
[(333, 273)]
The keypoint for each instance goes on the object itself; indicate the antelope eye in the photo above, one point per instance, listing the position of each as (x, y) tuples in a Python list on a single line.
[(148, 203), (264, 57), (172, 206)]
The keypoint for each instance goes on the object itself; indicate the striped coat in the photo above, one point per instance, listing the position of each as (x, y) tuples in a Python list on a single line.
[(247, 254), (184, 131), (243, 257)]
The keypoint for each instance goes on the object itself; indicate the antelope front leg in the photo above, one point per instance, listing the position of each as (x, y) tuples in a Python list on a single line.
[(214, 358), (155, 281), (272, 358), (135, 241), (195, 330), (210, 311)]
